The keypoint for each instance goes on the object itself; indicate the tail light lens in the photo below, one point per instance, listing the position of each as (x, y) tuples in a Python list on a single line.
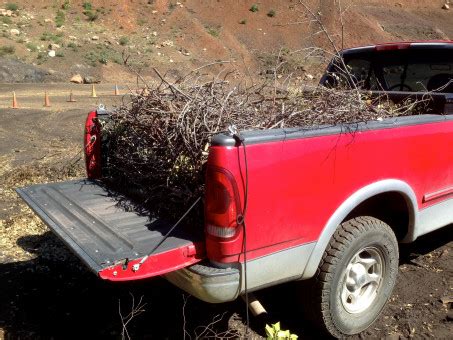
[(222, 204), (92, 146)]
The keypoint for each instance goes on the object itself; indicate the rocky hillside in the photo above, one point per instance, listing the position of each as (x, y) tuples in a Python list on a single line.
[(110, 40)]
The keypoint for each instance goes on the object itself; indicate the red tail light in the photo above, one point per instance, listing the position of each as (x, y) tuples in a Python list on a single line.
[(92, 146), (222, 204)]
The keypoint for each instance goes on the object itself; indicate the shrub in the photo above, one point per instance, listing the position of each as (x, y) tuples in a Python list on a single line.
[(124, 41), (271, 13), (254, 8), (42, 57), (12, 6), (32, 47), (59, 18), (103, 55), (214, 31), (87, 6), (4, 50), (72, 45), (6, 20), (56, 38), (66, 5), (59, 54), (103, 58), (91, 16)]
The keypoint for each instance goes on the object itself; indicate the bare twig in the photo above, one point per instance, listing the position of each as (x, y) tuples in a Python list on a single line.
[(136, 309)]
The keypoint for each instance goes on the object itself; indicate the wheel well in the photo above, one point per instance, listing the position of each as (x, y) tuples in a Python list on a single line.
[(390, 207)]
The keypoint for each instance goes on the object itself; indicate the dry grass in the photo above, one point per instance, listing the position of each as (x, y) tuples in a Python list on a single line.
[(20, 222)]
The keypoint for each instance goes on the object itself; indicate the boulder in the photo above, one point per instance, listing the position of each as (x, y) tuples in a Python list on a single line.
[(51, 53), (90, 80), (14, 31), (77, 78)]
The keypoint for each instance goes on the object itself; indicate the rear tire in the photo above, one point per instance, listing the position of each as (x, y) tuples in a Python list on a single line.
[(355, 278)]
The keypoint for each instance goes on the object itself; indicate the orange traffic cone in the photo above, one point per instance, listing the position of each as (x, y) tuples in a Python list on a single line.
[(117, 91), (71, 98), (15, 106), (93, 92), (46, 100)]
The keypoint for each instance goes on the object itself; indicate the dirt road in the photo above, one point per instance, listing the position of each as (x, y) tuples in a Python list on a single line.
[(47, 293)]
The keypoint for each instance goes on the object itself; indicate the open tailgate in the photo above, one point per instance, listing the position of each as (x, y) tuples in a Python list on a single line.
[(108, 238)]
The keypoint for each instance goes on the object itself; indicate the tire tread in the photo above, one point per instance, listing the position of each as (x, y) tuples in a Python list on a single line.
[(343, 237)]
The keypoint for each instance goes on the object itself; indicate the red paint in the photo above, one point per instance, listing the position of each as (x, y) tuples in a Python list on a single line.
[(296, 185), (92, 146), (402, 45), (155, 265), (392, 47)]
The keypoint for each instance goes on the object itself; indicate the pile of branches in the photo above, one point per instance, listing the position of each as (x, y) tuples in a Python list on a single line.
[(158, 143)]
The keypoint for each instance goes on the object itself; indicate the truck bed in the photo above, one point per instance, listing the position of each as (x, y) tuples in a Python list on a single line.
[(102, 232)]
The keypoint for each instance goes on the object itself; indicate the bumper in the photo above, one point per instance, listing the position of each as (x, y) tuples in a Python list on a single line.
[(207, 283)]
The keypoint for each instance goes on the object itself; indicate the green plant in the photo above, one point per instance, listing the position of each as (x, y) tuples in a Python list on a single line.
[(254, 8), (274, 332), (4, 50), (60, 18), (271, 13), (91, 16), (141, 21), (11, 6), (103, 55), (56, 38), (243, 21), (87, 6), (214, 31), (42, 57), (66, 5), (72, 45), (6, 20), (21, 40), (32, 47), (124, 41), (59, 54)]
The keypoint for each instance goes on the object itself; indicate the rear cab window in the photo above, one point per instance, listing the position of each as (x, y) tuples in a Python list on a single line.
[(409, 70)]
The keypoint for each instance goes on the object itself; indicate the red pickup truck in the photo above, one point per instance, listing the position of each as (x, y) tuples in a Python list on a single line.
[(322, 203)]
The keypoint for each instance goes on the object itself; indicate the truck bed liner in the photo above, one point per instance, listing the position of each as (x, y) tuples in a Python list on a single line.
[(88, 218)]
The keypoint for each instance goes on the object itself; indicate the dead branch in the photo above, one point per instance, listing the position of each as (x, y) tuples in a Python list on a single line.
[(136, 309)]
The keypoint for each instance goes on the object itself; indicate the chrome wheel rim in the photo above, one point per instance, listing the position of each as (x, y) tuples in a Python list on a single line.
[(362, 280)]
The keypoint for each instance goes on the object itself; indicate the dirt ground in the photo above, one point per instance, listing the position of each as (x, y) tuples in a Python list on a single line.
[(47, 293)]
